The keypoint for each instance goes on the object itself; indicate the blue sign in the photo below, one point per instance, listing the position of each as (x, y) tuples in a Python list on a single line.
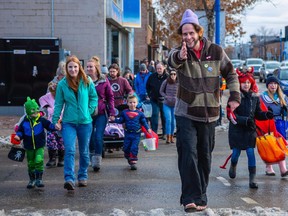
[(132, 13)]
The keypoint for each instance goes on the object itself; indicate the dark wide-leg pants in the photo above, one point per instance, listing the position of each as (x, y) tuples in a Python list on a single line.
[(195, 143)]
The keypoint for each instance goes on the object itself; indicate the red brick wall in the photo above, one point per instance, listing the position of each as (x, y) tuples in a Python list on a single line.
[(141, 39)]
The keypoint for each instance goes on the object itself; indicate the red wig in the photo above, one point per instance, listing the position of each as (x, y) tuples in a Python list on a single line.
[(248, 75)]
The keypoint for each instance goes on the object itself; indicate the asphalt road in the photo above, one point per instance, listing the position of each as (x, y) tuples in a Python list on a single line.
[(155, 184)]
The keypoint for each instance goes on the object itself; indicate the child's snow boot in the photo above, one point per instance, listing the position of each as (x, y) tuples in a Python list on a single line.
[(60, 158), (252, 174), (39, 182), (32, 181), (52, 159), (232, 170)]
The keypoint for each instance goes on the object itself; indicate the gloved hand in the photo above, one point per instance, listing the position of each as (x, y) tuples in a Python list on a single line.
[(283, 111), (284, 108), (250, 123), (269, 114), (230, 115)]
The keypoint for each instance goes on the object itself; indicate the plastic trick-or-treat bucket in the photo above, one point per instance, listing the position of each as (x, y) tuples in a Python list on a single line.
[(14, 141), (149, 144)]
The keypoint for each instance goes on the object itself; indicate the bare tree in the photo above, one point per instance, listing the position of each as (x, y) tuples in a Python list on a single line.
[(170, 13)]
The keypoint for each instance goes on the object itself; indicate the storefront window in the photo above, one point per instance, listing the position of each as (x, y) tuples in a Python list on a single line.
[(115, 47)]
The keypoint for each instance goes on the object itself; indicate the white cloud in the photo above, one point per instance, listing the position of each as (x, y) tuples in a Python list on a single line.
[(271, 16)]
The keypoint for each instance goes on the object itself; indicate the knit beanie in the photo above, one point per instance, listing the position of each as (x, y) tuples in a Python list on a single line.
[(189, 17), (271, 79), (143, 67), (31, 106)]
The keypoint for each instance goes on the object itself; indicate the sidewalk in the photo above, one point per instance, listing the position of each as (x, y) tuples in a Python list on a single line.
[(7, 126)]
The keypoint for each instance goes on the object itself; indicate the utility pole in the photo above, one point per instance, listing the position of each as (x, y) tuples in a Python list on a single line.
[(280, 56), (217, 22)]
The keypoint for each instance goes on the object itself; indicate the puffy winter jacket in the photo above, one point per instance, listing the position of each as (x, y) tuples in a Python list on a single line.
[(33, 133)]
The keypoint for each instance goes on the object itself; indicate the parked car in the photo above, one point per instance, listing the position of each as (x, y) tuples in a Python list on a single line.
[(282, 74), (284, 63), (256, 63), (236, 63), (267, 68)]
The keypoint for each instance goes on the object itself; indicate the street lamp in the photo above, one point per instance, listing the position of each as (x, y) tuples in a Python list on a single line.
[(280, 56)]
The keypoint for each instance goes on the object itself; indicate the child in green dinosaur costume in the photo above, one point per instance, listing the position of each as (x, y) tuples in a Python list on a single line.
[(31, 131)]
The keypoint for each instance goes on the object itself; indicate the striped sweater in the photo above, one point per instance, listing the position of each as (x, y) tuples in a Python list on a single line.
[(199, 91)]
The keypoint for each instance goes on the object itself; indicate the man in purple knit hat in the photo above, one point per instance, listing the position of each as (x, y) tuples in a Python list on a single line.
[(199, 64)]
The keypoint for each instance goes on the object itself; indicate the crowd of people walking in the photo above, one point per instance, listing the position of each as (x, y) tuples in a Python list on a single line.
[(78, 105), (185, 94)]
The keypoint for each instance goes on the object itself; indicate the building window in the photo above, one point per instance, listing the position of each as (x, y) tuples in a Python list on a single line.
[(118, 3), (151, 15)]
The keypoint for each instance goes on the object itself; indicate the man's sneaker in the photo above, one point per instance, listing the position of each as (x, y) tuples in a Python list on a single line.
[(69, 186)]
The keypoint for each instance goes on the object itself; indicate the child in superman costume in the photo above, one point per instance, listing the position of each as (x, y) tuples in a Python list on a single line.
[(133, 120)]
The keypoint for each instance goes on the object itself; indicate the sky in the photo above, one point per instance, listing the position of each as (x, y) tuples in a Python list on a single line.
[(271, 16)]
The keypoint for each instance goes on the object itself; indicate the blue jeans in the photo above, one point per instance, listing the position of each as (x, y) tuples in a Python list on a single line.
[(142, 97), (69, 133), (169, 118), (250, 155), (156, 108), (96, 142)]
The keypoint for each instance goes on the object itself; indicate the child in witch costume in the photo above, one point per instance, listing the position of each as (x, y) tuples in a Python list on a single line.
[(133, 120), (31, 131), (242, 128)]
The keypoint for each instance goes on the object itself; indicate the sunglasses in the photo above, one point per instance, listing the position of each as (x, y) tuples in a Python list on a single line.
[(173, 74)]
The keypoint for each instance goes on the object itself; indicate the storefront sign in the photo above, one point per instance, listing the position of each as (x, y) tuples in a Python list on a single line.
[(132, 13)]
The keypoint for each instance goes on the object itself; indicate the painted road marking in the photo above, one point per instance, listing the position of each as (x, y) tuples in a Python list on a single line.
[(249, 200), (223, 180)]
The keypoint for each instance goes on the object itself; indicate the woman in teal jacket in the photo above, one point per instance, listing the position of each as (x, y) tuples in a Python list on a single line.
[(77, 97)]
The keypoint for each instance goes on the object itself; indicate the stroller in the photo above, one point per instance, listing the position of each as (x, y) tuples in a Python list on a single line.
[(114, 133)]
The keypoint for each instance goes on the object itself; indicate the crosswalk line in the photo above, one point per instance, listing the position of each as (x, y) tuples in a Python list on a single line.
[(249, 200), (223, 180)]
